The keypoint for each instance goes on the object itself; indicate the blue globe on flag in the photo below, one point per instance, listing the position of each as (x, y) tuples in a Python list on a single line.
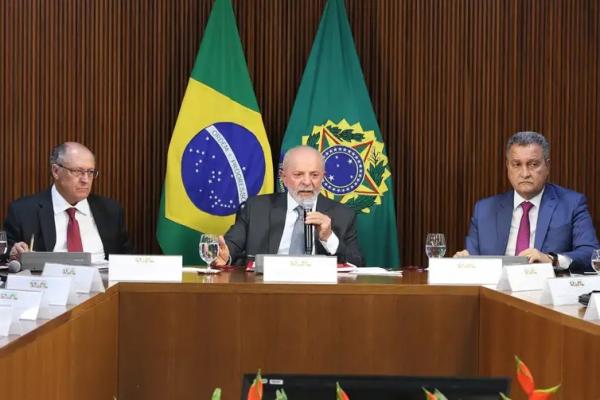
[(221, 167)]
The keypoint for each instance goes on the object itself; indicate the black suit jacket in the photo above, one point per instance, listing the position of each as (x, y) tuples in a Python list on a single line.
[(35, 215), (259, 226)]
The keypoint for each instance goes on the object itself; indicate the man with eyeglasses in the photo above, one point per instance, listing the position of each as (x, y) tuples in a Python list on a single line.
[(542, 221), (67, 217)]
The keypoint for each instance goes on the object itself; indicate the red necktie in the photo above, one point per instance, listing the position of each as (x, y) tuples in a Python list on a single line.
[(73, 235), (524, 228)]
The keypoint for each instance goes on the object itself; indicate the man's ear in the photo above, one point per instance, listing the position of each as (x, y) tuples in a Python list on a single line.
[(54, 171)]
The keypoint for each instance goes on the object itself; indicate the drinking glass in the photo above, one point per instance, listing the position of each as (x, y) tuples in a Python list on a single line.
[(208, 248), (3, 243), (435, 245), (596, 260)]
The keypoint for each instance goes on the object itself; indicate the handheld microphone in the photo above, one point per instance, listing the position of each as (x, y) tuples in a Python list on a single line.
[(14, 266), (307, 205)]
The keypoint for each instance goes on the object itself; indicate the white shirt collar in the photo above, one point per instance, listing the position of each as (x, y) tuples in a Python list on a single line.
[(60, 205), (536, 200)]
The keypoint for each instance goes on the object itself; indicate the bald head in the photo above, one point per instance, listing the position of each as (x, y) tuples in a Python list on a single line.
[(302, 172)]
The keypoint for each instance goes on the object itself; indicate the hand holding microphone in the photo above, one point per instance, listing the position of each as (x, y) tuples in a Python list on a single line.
[(320, 221)]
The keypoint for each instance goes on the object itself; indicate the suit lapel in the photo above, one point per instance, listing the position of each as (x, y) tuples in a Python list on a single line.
[(277, 221), (547, 207), (100, 220), (503, 221), (323, 206), (46, 219)]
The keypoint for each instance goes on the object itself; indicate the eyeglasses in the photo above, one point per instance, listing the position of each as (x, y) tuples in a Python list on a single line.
[(78, 173)]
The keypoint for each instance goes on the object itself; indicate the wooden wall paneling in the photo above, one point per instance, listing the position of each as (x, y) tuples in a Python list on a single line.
[(449, 81)]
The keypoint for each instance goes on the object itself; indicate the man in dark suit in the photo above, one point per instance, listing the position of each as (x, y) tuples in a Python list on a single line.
[(67, 217), (539, 220), (266, 224)]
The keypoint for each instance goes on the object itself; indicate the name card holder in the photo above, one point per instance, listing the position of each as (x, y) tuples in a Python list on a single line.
[(56, 291), (516, 278), (592, 312), (563, 291), (26, 304), (461, 271), (6, 318), (308, 269), (140, 268), (86, 278)]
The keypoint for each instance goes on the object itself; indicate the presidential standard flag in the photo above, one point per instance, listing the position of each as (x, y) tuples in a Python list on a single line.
[(219, 153), (333, 113)]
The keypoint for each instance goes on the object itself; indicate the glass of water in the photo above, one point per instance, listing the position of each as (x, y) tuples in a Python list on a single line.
[(3, 243), (596, 260), (435, 245), (208, 248)]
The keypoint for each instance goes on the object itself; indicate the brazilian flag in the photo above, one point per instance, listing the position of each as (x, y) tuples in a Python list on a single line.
[(219, 154), (333, 113)]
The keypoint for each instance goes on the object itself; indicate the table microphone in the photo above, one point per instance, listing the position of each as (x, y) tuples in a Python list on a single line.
[(307, 205), (14, 266)]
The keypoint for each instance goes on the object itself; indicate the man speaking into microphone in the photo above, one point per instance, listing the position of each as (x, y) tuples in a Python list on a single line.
[(284, 223)]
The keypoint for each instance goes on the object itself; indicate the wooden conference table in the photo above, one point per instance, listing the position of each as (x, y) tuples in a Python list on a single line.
[(179, 341)]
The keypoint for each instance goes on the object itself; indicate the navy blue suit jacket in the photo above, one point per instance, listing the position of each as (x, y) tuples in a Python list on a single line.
[(564, 226)]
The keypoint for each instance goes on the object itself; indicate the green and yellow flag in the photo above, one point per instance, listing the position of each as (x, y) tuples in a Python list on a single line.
[(333, 113), (219, 153)]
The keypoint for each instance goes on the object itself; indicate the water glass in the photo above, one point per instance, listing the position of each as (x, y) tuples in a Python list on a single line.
[(208, 248), (596, 260), (3, 243), (435, 245)]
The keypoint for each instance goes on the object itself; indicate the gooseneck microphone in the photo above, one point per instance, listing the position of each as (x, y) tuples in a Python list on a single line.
[(307, 205)]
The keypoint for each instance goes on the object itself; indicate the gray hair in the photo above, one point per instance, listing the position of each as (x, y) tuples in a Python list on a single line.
[(290, 152), (528, 138), (58, 153), (57, 156)]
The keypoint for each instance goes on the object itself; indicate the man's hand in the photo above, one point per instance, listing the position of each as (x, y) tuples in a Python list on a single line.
[(462, 253), (223, 257), (322, 222), (17, 249), (534, 255)]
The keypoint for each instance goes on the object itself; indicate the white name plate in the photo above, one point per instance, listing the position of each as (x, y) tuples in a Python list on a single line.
[(86, 279), (57, 291), (26, 304), (461, 271), (5, 320), (131, 268), (592, 312), (312, 269), (562, 291), (523, 277)]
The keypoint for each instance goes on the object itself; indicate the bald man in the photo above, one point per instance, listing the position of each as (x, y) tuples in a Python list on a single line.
[(265, 224), (67, 217)]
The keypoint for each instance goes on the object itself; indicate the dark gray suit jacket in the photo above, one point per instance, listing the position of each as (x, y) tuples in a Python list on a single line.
[(35, 215), (260, 221)]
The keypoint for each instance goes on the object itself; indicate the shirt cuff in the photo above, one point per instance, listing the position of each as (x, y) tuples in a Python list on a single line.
[(563, 261), (331, 244)]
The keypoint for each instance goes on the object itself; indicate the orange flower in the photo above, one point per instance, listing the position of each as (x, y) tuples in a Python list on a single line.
[(429, 395), (524, 377), (256, 389), (340, 394)]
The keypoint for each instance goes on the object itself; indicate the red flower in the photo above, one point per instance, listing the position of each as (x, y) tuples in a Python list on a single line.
[(256, 389), (524, 377), (340, 394)]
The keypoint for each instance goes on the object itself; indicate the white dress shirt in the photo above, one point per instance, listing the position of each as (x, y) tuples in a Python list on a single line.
[(331, 244), (90, 238), (563, 261)]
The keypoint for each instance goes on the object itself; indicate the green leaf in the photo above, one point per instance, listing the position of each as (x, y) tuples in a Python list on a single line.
[(504, 397), (216, 394), (280, 395)]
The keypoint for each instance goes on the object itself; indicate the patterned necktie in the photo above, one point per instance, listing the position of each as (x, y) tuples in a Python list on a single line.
[(297, 239), (73, 235), (524, 228)]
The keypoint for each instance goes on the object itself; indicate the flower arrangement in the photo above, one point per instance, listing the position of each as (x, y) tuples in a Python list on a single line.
[(524, 377)]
